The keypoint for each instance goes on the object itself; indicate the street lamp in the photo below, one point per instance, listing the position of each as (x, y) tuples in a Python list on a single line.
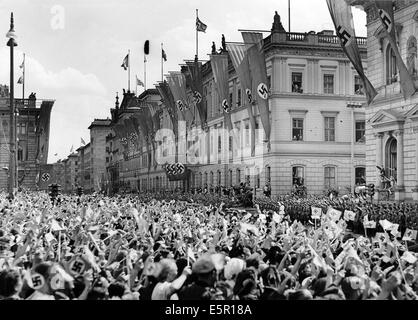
[(353, 105), (11, 35)]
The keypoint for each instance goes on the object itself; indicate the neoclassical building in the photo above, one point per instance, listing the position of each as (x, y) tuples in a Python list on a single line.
[(317, 122), (392, 121)]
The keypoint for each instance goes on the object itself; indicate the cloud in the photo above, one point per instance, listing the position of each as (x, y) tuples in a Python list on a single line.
[(68, 79), (79, 99)]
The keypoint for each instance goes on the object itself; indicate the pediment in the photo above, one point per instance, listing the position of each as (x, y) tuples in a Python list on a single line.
[(415, 16), (412, 114), (386, 117)]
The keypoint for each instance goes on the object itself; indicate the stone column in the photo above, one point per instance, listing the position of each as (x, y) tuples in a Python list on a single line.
[(379, 161), (400, 186), (415, 190)]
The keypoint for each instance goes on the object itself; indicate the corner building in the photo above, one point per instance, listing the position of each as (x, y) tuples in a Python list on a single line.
[(392, 121)]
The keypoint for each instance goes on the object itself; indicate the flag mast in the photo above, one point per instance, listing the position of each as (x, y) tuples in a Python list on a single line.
[(162, 63), (129, 71), (145, 72), (288, 5), (197, 36), (23, 87)]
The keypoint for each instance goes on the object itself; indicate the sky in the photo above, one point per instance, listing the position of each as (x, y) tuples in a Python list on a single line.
[(75, 48)]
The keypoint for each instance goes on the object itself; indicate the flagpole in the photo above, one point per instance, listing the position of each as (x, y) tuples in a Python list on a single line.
[(197, 36), (162, 63), (145, 72), (23, 87), (288, 5), (129, 71)]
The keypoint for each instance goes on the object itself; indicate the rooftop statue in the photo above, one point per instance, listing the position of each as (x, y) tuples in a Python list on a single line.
[(277, 24)]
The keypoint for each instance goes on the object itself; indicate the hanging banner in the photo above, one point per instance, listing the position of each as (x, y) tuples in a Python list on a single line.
[(237, 53), (42, 132), (49, 174), (342, 17), (196, 84), (177, 84), (176, 171), (219, 63), (168, 100), (257, 63)]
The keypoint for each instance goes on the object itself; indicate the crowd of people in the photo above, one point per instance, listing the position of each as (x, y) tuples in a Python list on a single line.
[(136, 247)]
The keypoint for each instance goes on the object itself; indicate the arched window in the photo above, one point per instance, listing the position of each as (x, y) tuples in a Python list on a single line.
[(230, 177), (238, 176), (211, 178), (298, 174), (257, 177), (247, 175), (391, 69), (200, 179), (219, 177), (391, 158), (268, 174)]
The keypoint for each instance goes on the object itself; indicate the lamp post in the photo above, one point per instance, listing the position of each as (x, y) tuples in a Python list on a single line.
[(11, 35), (352, 106)]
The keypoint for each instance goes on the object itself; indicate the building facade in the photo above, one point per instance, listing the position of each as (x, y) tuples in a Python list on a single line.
[(70, 173), (392, 120), (32, 129), (99, 130), (316, 114), (84, 168)]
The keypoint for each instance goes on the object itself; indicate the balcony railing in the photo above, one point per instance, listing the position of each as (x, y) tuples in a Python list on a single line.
[(328, 39), (293, 36), (309, 39)]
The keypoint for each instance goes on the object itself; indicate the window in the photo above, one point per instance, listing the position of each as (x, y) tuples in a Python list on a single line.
[(328, 83), (219, 144), (257, 178), (230, 177), (297, 82), (247, 133), (329, 129), (211, 178), (360, 173), (298, 176), (358, 86), (21, 128), (31, 127), (297, 130), (201, 179), (231, 143), (219, 178), (268, 174), (360, 131), (247, 176), (391, 69), (391, 159), (329, 177), (239, 97), (238, 130), (269, 82), (20, 153), (230, 99), (238, 176)]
